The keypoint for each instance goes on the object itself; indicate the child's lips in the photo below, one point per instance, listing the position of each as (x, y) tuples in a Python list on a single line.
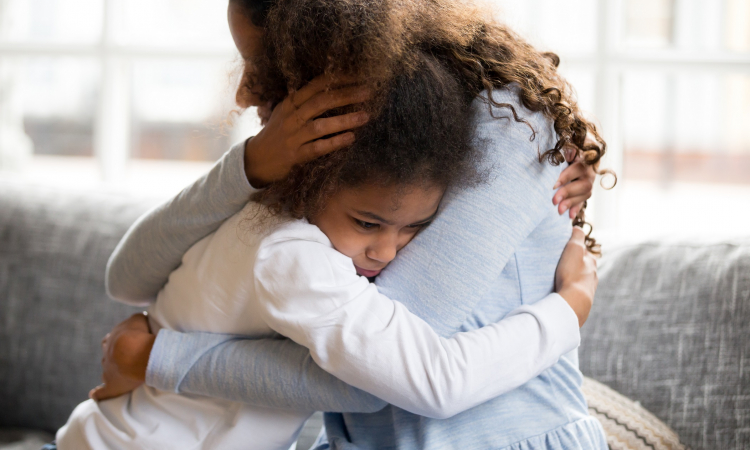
[(367, 273)]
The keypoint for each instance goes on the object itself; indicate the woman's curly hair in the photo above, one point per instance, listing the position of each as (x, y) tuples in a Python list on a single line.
[(374, 40)]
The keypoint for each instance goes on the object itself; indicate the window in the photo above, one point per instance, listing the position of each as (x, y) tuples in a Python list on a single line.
[(110, 89), (669, 83), (138, 93)]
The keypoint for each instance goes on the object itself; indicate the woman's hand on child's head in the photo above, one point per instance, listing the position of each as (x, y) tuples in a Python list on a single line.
[(125, 353), (576, 278), (576, 184), (294, 132)]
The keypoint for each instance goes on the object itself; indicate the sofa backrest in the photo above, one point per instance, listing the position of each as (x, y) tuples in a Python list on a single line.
[(54, 312), (671, 328)]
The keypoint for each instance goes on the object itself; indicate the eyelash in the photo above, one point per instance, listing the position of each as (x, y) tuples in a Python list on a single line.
[(365, 225), (370, 225)]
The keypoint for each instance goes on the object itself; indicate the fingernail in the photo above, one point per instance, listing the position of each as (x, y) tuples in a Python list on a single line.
[(363, 117), (557, 185), (555, 200)]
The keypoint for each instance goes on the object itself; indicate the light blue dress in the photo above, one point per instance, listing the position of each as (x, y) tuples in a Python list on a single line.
[(490, 250)]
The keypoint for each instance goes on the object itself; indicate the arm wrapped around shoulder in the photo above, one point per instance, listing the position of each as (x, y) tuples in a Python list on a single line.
[(311, 294)]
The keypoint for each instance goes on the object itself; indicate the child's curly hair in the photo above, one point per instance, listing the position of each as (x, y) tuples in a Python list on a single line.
[(422, 136), (372, 40)]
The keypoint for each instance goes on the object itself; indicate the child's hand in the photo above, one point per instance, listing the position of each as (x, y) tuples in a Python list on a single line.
[(576, 278), (294, 130), (126, 350), (576, 182)]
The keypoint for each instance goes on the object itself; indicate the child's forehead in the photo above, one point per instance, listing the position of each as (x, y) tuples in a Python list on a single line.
[(394, 202)]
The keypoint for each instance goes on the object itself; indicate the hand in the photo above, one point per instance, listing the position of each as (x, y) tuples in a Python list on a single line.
[(293, 133), (576, 184), (576, 278), (126, 350)]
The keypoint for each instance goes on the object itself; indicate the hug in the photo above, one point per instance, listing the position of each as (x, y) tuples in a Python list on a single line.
[(391, 249)]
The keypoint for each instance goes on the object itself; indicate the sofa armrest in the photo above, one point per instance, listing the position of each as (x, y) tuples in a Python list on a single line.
[(671, 329), (54, 247)]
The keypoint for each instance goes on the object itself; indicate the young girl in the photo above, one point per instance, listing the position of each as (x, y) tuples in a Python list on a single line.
[(297, 259)]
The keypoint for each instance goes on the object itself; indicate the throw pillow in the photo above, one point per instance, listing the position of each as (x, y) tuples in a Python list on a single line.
[(626, 423)]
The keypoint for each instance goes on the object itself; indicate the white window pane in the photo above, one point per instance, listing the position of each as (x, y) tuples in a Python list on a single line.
[(649, 23), (583, 81), (687, 25), (687, 127), (565, 27), (180, 23), (57, 103), (180, 109), (737, 34), (53, 21)]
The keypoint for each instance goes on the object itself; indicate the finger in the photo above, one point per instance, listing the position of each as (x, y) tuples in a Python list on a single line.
[(573, 189), (571, 154), (575, 210), (264, 112), (321, 147), (317, 85), (578, 236), (570, 173), (105, 391), (332, 125), (325, 101), (93, 393), (571, 202), (590, 173), (303, 94), (138, 321)]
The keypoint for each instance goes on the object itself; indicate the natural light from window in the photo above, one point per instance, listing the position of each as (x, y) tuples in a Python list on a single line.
[(136, 96)]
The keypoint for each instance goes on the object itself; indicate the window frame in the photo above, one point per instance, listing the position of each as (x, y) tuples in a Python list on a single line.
[(607, 63)]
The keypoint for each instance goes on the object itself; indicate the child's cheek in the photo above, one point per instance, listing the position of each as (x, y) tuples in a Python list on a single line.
[(349, 243)]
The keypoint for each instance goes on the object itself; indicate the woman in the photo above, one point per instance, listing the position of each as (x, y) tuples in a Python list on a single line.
[(503, 247)]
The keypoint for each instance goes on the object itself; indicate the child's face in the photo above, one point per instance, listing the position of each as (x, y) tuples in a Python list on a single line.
[(370, 224)]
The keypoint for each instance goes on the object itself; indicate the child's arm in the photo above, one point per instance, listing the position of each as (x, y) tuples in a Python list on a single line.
[(154, 246), (421, 372), (376, 344)]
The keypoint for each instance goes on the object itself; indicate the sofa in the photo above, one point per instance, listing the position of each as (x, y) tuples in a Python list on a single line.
[(670, 328)]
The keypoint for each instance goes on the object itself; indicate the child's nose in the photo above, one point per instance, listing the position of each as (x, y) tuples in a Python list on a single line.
[(384, 250)]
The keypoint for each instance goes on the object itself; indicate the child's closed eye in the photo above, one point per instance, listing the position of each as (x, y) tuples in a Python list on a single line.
[(366, 225), (420, 225)]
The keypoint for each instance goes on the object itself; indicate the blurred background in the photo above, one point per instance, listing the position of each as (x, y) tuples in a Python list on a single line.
[(135, 96)]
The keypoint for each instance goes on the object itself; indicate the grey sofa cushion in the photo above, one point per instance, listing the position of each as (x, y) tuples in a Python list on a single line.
[(53, 309), (670, 328)]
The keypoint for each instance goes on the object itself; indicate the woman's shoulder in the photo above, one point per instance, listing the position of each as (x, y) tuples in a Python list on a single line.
[(495, 106), (508, 128)]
